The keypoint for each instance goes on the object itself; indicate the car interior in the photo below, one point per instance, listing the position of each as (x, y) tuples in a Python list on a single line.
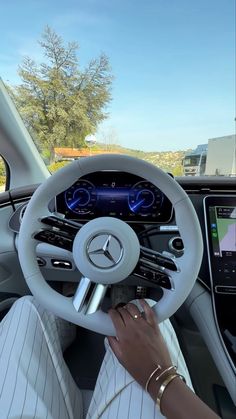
[(45, 218)]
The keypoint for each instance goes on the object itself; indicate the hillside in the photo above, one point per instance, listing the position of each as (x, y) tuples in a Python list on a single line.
[(170, 161)]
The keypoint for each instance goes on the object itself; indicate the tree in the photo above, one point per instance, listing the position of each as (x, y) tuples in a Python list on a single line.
[(109, 138), (60, 103)]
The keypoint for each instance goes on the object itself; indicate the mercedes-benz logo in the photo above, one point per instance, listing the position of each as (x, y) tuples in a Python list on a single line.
[(104, 250)]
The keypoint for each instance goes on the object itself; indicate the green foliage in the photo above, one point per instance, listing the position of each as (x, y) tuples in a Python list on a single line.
[(2, 180), (2, 167), (60, 103), (169, 161), (2, 175), (178, 170)]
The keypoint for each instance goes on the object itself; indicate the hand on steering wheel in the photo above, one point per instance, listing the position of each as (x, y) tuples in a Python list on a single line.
[(138, 345)]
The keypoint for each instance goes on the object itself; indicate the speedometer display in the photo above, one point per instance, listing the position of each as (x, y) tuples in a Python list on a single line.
[(114, 194), (145, 198), (81, 197)]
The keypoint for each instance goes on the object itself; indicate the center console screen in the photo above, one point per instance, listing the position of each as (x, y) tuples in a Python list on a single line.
[(220, 222), (223, 231), (220, 217)]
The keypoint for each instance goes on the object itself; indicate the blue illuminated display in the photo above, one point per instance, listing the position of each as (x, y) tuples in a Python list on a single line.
[(116, 194)]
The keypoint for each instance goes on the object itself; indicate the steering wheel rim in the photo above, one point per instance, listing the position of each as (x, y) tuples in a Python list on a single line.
[(186, 219)]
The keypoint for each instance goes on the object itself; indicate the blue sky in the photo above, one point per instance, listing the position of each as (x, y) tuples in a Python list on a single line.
[(173, 62)]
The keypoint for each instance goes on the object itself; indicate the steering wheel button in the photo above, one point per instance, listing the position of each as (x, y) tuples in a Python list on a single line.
[(165, 283), (176, 244)]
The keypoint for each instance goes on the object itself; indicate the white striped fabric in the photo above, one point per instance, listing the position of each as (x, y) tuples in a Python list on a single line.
[(117, 395), (36, 383), (34, 379)]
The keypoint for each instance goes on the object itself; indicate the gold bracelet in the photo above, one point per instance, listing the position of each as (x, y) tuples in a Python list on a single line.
[(166, 370), (151, 375), (165, 383)]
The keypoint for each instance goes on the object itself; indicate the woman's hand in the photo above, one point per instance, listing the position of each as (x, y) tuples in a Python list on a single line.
[(140, 348), (138, 345)]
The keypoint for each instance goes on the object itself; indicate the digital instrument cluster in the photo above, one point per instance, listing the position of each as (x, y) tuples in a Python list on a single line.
[(115, 194)]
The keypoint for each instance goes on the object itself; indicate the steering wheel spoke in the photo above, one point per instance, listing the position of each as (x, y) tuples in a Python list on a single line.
[(88, 296), (153, 276), (55, 238), (162, 261), (62, 224), (61, 232), (156, 268)]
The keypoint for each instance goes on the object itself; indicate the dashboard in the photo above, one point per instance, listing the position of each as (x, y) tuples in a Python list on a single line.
[(115, 194)]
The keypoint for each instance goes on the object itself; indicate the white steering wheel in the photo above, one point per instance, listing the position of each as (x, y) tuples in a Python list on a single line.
[(106, 250)]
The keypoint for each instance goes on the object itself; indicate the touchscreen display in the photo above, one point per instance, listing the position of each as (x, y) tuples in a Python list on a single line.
[(223, 230)]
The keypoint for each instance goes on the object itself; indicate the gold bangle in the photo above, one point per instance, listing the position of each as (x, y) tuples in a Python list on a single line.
[(165, 383), (151, 375), (166, 370)]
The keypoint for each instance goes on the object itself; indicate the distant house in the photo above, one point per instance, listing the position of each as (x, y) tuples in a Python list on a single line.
[(66, 153)]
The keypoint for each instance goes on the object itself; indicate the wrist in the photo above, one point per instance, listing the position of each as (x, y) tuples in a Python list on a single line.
[(156, 379), (160, 386), (153, 388), (167, 397)]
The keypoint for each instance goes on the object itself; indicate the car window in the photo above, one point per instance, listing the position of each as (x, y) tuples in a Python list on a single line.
[(2, 175)]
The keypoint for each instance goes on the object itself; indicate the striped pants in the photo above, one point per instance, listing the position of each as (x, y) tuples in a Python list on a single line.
[(36, 383)]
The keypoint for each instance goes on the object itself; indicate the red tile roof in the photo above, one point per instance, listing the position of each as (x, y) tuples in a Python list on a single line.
[(78, 152)]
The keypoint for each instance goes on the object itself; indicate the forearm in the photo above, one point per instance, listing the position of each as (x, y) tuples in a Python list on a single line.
[(179, 402)]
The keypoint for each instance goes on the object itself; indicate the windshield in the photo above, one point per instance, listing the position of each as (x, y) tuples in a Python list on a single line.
[(151, 79)]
